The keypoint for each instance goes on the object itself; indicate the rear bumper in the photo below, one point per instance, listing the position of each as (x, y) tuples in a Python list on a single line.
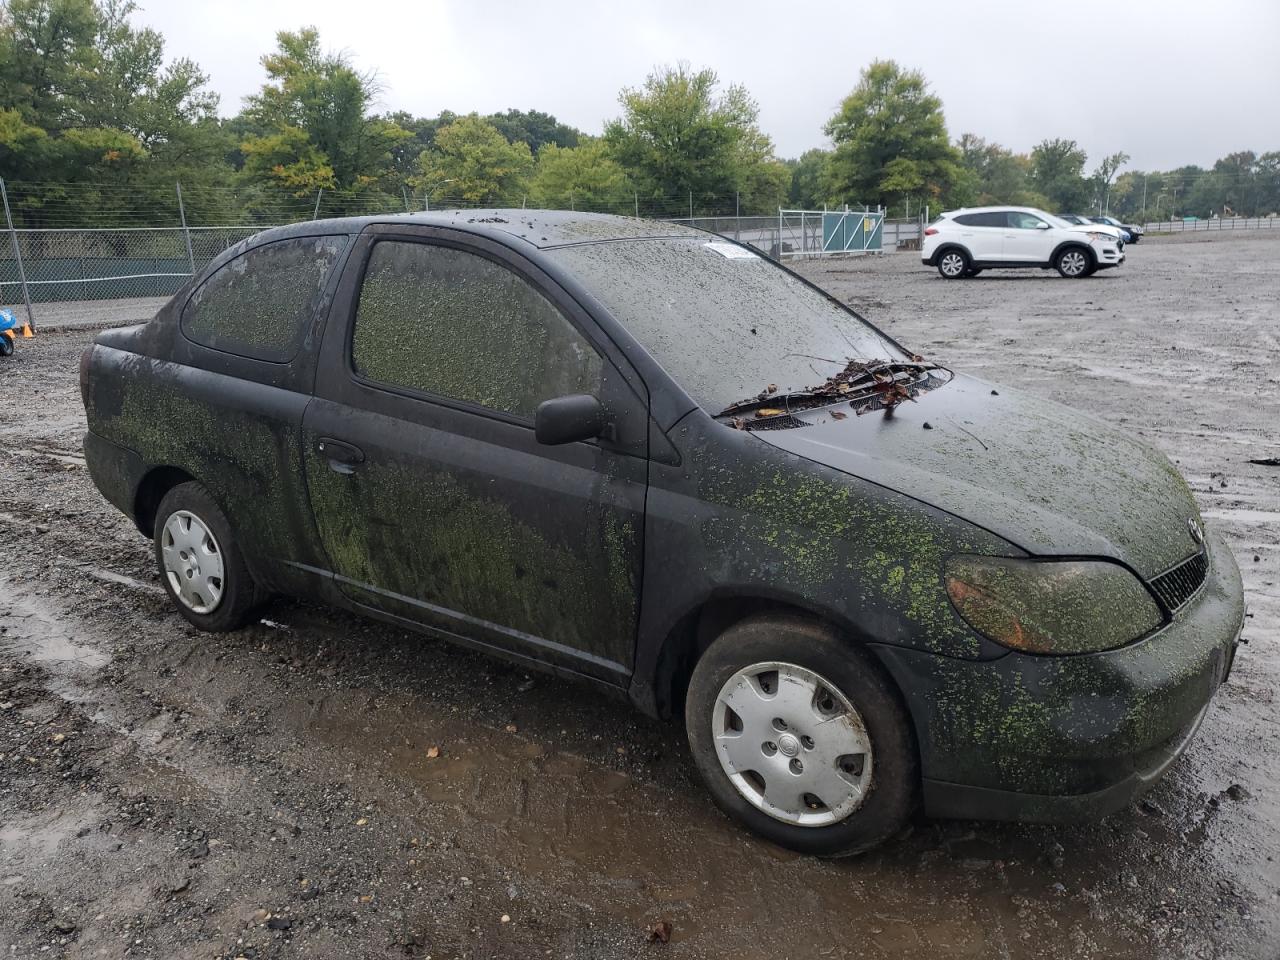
[(1051, 739), (116, 471)]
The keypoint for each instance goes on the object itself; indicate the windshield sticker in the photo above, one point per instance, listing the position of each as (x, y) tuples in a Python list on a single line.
[(730, 251)]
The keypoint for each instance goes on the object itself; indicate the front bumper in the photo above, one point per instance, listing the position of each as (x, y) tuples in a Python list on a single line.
[(1109, 256), (1047, 739)]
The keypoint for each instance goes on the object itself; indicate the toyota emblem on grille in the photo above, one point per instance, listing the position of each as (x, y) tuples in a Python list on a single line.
[(1196, 531)]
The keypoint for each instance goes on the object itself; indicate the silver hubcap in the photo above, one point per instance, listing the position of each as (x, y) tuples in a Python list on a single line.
[(792, 744), (1073, 263), (953, 264), (192, 561)]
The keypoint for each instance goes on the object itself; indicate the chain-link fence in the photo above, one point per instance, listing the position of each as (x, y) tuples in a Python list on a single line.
[(58, 264), (102, 264), (1212, 223)]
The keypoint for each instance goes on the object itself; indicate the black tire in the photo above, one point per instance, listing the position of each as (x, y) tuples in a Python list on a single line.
[(973, 272), (953, 263), (1074, 263), (6, 345), (890, 791), (239, 595)]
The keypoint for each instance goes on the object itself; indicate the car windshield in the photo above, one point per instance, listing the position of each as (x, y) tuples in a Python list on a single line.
[(725, 323)]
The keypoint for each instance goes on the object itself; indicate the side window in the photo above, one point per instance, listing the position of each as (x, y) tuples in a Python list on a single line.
[(982, 220), (1024, 221), (258, 305), (455, 324)]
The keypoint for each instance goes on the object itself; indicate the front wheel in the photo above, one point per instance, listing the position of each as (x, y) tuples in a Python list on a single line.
[(1073, 263), (200, 564), (953, 264), (6, 345), (800, 736)]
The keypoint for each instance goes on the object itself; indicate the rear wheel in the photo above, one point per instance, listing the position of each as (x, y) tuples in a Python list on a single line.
[(953, 264), (200, 564), (800, 737), (1074, 263)]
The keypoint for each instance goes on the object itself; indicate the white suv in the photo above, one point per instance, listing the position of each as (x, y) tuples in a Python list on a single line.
[(963, 243)]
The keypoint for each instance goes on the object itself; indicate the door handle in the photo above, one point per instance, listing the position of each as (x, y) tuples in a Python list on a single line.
[(343, 457)]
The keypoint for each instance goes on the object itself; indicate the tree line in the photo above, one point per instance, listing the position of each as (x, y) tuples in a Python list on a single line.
[(96, 127)]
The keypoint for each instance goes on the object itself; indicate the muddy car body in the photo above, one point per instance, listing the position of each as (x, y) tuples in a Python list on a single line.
[(637, 455)]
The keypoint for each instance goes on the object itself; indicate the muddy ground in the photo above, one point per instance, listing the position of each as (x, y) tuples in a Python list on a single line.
[(319, 786)]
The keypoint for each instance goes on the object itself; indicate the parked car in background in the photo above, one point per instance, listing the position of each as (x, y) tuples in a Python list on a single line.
[(1077, 222), (610, 449), (963, 243), (1135, 231)]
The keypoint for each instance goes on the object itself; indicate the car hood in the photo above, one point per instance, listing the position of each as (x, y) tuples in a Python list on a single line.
[(1047, 478)]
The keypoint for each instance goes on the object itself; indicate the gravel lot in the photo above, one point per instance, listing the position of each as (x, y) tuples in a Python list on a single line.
[(319, 786)]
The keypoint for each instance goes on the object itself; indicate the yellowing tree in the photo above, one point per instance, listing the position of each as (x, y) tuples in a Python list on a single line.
[(312, 121), (482, 165), (580, 178)]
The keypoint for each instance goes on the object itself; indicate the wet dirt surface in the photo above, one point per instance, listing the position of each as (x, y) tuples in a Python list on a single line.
[(320, 786)]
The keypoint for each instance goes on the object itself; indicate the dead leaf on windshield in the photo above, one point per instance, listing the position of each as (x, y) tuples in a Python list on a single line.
[(837, 415), (769, 412)]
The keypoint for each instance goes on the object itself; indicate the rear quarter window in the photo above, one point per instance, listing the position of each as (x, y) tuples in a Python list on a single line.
[(259, 304)]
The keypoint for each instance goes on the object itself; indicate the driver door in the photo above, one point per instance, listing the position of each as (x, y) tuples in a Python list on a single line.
[(1028, 239), (434, 500)]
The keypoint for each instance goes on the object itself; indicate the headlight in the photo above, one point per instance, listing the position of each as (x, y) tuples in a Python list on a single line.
[(1101, 237), (1051, 606)]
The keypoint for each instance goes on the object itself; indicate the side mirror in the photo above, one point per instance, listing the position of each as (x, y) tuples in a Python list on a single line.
[(579, 416), (1042, 225)]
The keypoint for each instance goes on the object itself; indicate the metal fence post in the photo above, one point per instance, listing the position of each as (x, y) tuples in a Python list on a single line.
[(17, 256), (182, 215), (315, 215)]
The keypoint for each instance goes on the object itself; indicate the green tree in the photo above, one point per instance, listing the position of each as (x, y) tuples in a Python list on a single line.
[(993, 174), (890, 140), (679, 136), (1268, 176), (807, 190), (1105, 174), (484, 166), (85, 97), (584, 177), (312, 121), (534, 128), (1057, 172)]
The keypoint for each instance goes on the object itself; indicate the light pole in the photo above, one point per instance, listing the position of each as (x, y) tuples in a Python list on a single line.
[(426, 200)]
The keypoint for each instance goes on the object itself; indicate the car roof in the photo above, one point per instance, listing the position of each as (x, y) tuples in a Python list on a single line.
[(543, 229), (1002, 208)]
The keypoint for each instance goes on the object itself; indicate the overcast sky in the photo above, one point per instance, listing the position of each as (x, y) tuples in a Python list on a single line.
[(1167, 81)]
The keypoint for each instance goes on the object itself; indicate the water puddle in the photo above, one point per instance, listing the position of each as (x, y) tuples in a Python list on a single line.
[(37, 634)]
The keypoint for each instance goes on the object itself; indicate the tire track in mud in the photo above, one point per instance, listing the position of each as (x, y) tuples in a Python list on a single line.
[(323, 720)]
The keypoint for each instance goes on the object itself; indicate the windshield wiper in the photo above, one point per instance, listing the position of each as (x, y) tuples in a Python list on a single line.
[(887, 382)]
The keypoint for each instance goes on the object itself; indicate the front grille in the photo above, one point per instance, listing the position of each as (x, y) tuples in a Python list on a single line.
[(1175, 587)]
